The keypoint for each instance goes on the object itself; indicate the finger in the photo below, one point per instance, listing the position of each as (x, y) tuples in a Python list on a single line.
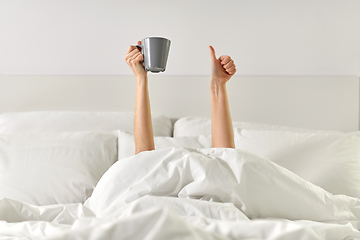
[(136, 60), (130, 49), (129, 60), (229, 64), (139, 58), (230, 69), (225, 59), (133, 59), (232, 72), (212, 53), (132, 53)]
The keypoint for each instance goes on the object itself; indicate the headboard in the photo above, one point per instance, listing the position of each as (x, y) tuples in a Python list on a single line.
[(326, 103)]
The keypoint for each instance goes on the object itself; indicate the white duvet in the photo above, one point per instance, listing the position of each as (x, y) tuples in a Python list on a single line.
[(178, 193)]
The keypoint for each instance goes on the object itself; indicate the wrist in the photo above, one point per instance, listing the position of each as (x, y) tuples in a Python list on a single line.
[(216, 84), (140, 75), (141, 79)]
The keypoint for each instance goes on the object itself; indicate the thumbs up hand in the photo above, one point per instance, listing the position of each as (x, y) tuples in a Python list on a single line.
[(222, 68), (134, 59)]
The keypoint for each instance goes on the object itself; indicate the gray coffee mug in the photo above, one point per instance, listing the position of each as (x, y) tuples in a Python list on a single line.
[(155, 51)]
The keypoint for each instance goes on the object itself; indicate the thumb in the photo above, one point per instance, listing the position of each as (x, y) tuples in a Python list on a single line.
[(212, 53)]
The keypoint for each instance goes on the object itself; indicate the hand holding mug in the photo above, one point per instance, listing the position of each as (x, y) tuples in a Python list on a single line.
[(134, 58)]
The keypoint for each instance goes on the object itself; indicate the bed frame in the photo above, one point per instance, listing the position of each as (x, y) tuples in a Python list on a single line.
[(326, 103)]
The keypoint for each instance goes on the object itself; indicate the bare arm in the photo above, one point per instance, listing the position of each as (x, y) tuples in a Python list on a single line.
[(143, 131), (222, 69)]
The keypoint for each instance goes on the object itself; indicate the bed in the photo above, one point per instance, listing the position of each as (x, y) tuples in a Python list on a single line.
[(68, 169)]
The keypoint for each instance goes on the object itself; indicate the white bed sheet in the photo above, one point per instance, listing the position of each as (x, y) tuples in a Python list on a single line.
[(177, 193)]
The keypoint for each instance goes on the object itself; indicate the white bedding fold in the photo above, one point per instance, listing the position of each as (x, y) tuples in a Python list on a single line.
[(163, 223), (255, 185), (15, 211), (183, 207)]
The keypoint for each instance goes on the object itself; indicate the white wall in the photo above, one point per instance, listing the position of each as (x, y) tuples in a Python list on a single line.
[(85, 37)]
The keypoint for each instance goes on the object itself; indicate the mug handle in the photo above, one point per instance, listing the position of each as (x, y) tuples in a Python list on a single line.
[(140, 46)]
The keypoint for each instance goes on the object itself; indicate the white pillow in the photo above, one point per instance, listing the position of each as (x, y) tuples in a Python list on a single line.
[(126, 143), (49, 122), (194, 126), (329, 160), (44, 169)]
